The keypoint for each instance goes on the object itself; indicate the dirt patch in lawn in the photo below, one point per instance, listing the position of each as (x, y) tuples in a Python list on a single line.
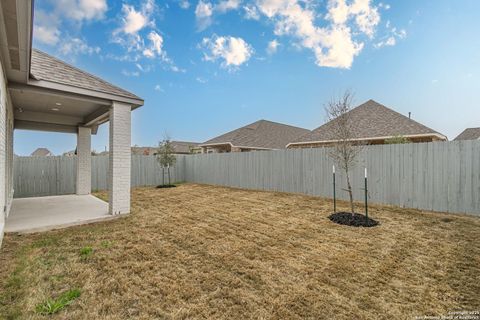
[(217, 253)]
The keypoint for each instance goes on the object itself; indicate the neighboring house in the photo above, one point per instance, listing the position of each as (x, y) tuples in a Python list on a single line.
[(144, 151), (186, 147), (469, 134), (40, 92), (179, 147), (41, 152), (70, 153), (260, 135), (373, 123)]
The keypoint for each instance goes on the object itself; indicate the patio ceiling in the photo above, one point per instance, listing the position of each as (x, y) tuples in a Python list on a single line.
[(48, 110)]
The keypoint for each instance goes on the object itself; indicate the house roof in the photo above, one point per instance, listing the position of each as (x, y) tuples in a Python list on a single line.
[(469, 134), (41, 152), (184, 146), (372, 120), (48, 68), (179, 147), (262, 134)]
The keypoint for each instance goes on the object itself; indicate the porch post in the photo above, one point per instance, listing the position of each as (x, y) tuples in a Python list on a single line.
[(84, 161), (120, 159)]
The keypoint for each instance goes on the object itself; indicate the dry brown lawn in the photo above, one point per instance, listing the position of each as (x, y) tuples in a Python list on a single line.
[(207, 252)]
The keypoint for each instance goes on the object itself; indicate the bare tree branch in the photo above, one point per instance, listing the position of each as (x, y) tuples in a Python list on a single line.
[(345, 150)]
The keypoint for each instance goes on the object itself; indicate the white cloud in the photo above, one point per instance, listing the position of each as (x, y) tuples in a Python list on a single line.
[(82, 9), (366, 16), (203, 14), (47, 35), (333, 43), (46, 28), (251, 12), (272, 46), (74, 46), (184, 4), (201, 80), (231, 50), (135, 20), (227, 5), (159, 88), (130, 73), (140, 38), (391, 39), (385, 6), (155, 48), (205, 11)]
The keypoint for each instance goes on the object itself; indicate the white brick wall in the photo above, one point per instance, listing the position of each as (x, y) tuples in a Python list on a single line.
[(84, 161), (120, 158), (6, 150)]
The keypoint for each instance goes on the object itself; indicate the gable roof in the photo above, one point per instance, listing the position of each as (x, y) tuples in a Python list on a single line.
[(262, 134), (48, 68), (41, 152), (372, 120), (469, 134)]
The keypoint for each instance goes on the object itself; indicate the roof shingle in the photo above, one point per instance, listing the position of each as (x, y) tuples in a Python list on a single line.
[(260, 134), (41, 152), (48, 68), (372, 120), (469, 134)]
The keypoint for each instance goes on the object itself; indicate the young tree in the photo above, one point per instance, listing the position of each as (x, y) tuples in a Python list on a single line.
[(344, 151), (166, 157)]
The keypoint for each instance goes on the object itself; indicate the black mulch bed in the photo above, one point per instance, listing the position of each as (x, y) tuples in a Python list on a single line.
[(163, 186), (357, 220)]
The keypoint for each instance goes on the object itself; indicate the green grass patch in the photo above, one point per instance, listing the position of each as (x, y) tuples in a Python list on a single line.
[(51, 306), (45, 242), (106, 244), (86, 252)]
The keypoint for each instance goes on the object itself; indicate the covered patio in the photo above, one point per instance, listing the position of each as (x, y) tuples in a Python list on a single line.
[(55, 212), (47, 94)]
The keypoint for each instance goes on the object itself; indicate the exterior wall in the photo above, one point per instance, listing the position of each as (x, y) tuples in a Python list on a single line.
[(120, 158), (6, 150), (226, 148), (84, 162)]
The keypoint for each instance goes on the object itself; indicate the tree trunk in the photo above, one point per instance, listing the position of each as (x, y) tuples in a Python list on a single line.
[(350, 193), (163, 175)]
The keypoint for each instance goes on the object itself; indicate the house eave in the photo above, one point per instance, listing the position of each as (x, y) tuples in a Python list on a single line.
[(423, 135), (85, 92)]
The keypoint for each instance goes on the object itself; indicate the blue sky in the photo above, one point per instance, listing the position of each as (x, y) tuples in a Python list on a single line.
[(207, 67)]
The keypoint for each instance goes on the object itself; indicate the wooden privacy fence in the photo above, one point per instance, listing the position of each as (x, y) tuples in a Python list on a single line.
[(46, 176), (43, 176), (439, 176)]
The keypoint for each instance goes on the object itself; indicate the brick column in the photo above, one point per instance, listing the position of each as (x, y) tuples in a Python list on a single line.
[(84, 161), (120, 159)]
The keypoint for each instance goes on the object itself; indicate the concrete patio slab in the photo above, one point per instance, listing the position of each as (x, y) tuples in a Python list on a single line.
[(39, 214)]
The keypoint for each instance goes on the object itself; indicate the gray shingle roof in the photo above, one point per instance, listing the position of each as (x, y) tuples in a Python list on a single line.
[(41, 152), (48, 68), (260, 134), (469, 134), (371, 120)]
